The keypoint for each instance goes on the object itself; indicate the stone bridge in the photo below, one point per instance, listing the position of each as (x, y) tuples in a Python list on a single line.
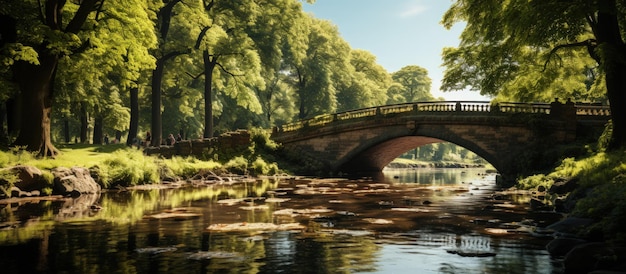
[(516, 138)]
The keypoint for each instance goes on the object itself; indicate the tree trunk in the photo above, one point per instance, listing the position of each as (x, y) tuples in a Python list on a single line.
[(13, 116), (4, 137), (66, 130), (209, 65), (301, 91), (134, 116), (36, 83), (84, 123), (118, 136), (157, 121), (609, 38), (97, 131)]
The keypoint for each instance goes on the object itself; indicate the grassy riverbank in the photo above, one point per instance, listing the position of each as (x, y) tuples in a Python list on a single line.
[(601, 187), (117, 164)]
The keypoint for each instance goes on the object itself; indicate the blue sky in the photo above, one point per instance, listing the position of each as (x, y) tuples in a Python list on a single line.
[(398, 32)]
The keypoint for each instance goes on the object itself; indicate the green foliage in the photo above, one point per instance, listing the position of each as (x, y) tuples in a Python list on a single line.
[(128, 168), (534, 181), (7, 180), (602, 180), (16, 155), (412, 84), (526, 51), (260, 167), (605, 138), (237, 165), (261, 139), (187, 167)]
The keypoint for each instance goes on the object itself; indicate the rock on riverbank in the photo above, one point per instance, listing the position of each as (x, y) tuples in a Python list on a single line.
[(32, 182)]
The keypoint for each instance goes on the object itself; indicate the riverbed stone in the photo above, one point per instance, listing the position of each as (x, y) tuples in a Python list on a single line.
[(571, 225), (588, 257), (564, 186), (561, 246), (74, 180)]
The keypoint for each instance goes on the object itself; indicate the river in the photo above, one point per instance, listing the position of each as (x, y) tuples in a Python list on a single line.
[(400, 221)]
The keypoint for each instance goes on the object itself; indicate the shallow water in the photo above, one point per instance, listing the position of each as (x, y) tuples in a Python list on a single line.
[(419, 221)]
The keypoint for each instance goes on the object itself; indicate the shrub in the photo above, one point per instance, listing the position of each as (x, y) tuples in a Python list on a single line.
[(237, 165), (7, 180), (187, 167), (261, 138), (127, 168), (260, 167)]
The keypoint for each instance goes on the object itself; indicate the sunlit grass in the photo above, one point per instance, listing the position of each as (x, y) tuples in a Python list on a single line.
[(118, 164), (187, 167)]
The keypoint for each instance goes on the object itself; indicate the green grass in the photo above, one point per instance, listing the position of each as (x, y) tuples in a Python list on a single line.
[(118, 164)]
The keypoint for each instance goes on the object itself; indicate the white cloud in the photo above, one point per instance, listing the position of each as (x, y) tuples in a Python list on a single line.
[(412, 10)]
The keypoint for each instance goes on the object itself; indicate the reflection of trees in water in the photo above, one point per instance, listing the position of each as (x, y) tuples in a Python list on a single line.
[(120, 239), (433, 176)]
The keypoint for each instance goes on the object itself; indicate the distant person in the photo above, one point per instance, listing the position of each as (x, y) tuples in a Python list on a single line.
[(106, 139), (137, 142), (179, 138), (148, 138), (170, 140)]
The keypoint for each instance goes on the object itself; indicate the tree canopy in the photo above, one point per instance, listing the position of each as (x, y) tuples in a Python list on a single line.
[(93, 68), (538, 50)]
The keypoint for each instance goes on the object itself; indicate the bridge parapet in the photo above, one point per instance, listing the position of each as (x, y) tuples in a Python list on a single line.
[(564, 111)]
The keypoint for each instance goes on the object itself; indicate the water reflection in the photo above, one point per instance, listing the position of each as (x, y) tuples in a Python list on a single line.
[(424, 222), (432, 176)]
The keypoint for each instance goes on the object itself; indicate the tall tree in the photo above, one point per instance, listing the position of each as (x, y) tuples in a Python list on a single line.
[(315, 70), (231, 62), (168, 49), (368, 83), (54, 38), (503, 41), (411, 83)]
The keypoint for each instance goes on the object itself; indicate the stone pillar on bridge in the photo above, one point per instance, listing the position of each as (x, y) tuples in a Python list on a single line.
[(566, 113)]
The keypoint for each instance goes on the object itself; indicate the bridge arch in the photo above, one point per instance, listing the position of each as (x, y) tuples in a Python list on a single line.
[(376, 156)]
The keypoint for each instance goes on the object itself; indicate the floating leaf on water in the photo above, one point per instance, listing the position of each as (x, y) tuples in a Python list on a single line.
[(410, 209), (255, 226), (355, 233), (276, 200), (498, 231), (155, 250), (176, 214), (259, 207), (378, 221), (286, 211), (230, 201), (207, 255), (313, 211)]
